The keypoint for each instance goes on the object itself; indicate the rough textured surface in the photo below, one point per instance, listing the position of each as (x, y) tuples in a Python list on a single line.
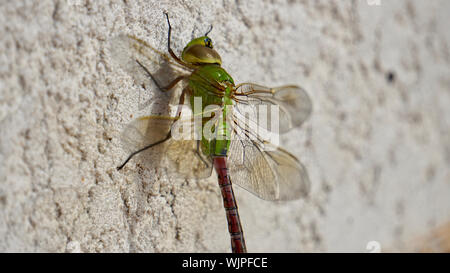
[(377, 146)]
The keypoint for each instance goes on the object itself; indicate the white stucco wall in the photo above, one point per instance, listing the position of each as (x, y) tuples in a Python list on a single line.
[(377, 152)]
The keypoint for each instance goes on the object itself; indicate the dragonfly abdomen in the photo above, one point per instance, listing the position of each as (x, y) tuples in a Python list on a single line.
[(229, 203)]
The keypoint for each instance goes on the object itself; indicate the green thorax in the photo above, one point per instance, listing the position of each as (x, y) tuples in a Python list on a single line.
[(214, 86)]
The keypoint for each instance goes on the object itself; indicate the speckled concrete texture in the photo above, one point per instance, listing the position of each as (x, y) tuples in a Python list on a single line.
[(377, 146)]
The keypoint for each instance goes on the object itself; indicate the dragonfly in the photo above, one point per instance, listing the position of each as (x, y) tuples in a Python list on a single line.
[(230, 145)]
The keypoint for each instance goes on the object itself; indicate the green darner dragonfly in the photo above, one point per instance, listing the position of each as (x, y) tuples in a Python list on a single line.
[(224, 112)]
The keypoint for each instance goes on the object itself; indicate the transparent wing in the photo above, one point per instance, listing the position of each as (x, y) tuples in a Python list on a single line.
[(133, 54), (258, 103), (181, 156), (268, 172), (250, 170), (144, 131), (293, 179)]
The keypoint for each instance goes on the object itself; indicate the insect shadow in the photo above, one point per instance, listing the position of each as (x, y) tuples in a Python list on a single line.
[(155, 97)]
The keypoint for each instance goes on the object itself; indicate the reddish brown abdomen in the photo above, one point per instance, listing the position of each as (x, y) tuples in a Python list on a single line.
[(229, 203)]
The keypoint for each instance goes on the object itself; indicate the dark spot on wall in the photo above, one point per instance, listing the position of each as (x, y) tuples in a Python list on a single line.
[(430, 173), (390, 77), (342, 116), (3, 200), (400, 208)]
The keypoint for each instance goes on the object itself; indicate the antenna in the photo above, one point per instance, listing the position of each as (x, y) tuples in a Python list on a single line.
[(210, 29)]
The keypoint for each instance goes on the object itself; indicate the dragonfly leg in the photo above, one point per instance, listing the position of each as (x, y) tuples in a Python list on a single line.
[(143, 149), (181, 101), (169, 135), (173, 83), (199, 154), (178, 60), (162, 88)]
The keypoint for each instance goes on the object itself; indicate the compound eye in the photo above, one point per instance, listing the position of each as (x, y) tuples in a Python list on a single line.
[(208, 43)]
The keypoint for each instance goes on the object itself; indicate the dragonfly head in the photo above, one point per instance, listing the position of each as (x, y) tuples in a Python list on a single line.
[(200, 51)]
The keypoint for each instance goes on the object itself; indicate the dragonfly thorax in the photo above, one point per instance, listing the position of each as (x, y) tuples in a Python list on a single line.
[(200, 51)]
